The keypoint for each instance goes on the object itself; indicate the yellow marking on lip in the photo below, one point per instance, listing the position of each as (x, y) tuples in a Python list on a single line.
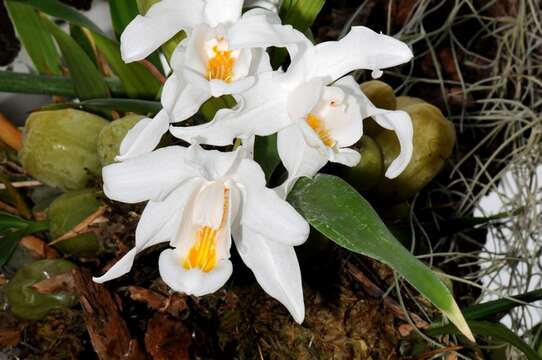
[(319, 128)]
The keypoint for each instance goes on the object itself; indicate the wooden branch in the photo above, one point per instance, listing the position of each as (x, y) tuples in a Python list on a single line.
[(153, 70), (108, 331)]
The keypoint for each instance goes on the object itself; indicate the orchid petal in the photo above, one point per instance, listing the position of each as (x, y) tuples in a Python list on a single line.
[(222, 11), (271, 5), (212, 164), (276, 269), (260, 111), (192, 281), (361, 48), (304, 98), (159, 222), (398, 121), (144, 136), (299, 158), (264, 211), (181, 99), (150, 176), (348, 157), (260, 28), (163, 20)]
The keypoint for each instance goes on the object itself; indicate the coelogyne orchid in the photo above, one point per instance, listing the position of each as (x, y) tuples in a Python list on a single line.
[(317, 119), (222, 53), (198, 201)]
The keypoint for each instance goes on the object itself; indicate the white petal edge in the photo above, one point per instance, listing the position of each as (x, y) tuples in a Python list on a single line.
[(297, 156), (276, 269), (159, 222), (194, 281), (150, 176), (361, 48), (181, 99), (395, 120), (163, 20), (222, 11), (144, 136), (264, 212)]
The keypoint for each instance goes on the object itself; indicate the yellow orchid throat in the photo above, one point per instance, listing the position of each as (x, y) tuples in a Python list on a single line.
[(319, 128), (203, 254), (220, 66)]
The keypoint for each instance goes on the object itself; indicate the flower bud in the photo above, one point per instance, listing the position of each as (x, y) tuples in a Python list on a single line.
[(28, 303), (369, 170), (59, 147), (68, 211), (434, 139), (382, 96), (111, 137)]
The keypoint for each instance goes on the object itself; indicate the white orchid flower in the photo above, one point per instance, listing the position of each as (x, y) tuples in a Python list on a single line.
[(198, 201), (317, 118), (222, 53)]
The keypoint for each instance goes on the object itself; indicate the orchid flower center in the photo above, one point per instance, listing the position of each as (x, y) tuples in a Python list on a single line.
[(203, 254), (320, 129), (221, 60)]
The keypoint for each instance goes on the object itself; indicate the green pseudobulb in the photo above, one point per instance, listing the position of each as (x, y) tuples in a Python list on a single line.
[(59, 147), (111, 137), (26, 302), (66, 212)]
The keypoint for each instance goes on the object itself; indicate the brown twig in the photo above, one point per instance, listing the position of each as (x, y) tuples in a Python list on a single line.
[(391, 304), (153, 70), (10, 134), (8, 208), (22, 184), (430, 354), (39, 247), (94, 218)]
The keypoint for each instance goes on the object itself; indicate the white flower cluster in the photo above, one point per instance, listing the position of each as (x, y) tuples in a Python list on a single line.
[(198, 200)]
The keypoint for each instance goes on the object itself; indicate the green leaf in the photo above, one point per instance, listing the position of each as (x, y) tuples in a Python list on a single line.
[(83, 39), (36, 39), (47, 85), (122, 12), (501, 306), (62, 11), (266, 154), (136, 79), (87, 79), (12, 229), (121, 105), (336, 210), (300, 13), (494, 330)]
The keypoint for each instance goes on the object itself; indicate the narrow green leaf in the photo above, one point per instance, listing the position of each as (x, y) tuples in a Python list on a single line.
[(501, 306), (300, 13), (494, 330), (266, 154), (103, 105), (57, 9), (87, 79), (36, 39), (12, 229), (136, 79), (47, 85), (336, 210), (81, 37), (122, 12)]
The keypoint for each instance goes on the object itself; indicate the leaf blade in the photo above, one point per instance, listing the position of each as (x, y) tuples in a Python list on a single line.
[(336, 210)]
